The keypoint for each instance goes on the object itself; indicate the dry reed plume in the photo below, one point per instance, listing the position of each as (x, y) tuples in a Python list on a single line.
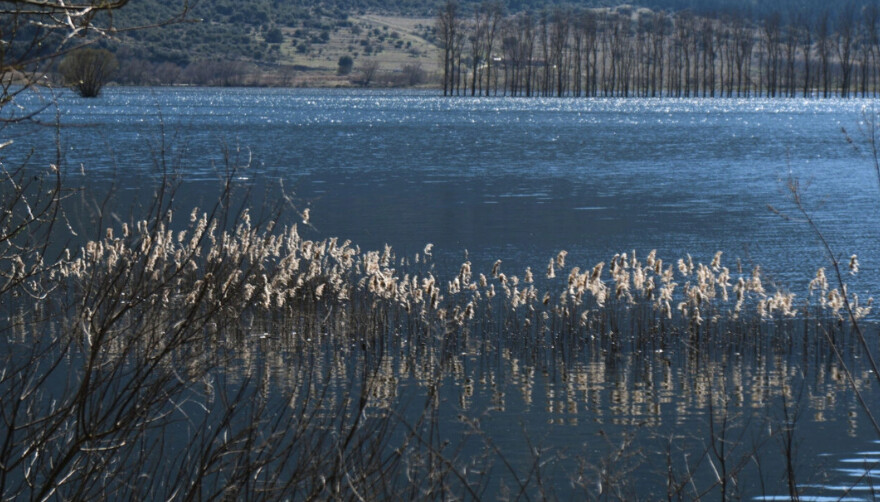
[(261, 270)]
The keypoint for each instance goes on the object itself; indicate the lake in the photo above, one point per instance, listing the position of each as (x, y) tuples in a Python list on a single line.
[(519, 180)]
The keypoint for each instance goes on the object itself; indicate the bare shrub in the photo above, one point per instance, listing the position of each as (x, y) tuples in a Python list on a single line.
[(88, 70)]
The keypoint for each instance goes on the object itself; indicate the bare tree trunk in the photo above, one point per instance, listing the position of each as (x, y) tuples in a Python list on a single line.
[(822, 45), (493, 13), (707, 46), (578, 56), (791, 45), (658, 44), (871, 20), (806, 38), (529, 31), (447, 24), (558, 42), (844, 44)]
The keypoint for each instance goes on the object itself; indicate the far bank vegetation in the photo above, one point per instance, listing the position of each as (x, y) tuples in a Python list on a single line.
[(629, 52)]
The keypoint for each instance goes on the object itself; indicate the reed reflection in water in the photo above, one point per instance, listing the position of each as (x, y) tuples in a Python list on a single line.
[(594, 403)]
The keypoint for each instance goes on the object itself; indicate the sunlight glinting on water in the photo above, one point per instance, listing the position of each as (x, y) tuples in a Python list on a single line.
[(519, 180), (679, 175)]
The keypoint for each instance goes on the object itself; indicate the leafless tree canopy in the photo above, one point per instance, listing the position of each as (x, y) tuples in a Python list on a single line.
[(369, 69)]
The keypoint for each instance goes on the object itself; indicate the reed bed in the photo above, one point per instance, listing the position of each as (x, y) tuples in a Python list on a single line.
[(253, 273), (226, 356), (264, 272)]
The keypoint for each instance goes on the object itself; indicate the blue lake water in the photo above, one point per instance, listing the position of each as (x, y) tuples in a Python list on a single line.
[(520, 180), (509, 179)]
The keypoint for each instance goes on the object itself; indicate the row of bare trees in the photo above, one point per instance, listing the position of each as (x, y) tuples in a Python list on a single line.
[(628, 52)]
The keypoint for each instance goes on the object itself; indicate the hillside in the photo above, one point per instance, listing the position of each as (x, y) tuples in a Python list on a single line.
[(271, 42), (327, 43)]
